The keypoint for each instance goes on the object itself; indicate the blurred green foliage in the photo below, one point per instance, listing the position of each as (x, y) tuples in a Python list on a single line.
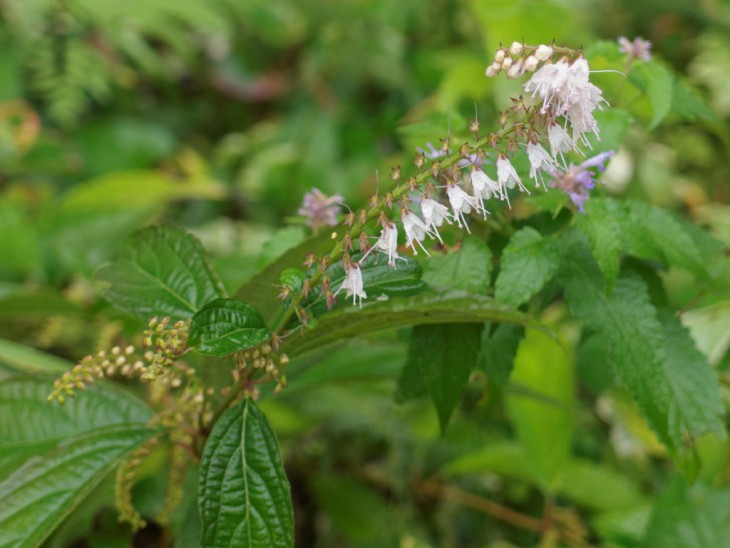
[(218, 115)]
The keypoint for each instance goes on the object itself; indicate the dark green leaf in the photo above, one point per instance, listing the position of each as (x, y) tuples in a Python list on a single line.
[(244, 495), (444, 355), (26, 358), (225, 326), (498, 350), (467, 268), (529, 261), (428, 308), (162, 271)]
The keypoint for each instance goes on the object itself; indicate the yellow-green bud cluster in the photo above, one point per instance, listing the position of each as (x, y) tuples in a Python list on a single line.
[(124, 481), (165, 343), (262, 359), (118, 361)]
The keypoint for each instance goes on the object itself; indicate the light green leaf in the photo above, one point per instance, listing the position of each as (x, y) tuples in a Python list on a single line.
[(428, 308), (529, 261), (544, 429), (244, 496), (28, 359), (19, 248), (658, 83), (225, 326), (443, 356), (467, 268), (162, 271), (710, 328)]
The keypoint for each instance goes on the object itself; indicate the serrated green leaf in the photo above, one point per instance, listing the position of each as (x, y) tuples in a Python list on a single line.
[(602, 228), (498, 351), (665, 235), (544, 429), (162, 271), (225, 326), (30, 426), (529, 261), (658, 83), (695, 388), (40, 494), (444, 355), (468, 268), (244, 495), (428, 308), (639, 347)]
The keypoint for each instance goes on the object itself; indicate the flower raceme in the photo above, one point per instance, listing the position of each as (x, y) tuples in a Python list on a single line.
[(555, 119)]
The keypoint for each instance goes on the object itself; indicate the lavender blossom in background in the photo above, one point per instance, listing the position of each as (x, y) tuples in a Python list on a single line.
[(432, 152), (319, 209), (636, 49), (576, 181)]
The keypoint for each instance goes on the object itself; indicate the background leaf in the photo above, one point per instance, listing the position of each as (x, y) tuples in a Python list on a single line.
[(244, 495), (162, 271), (225, 326), (467, 268)]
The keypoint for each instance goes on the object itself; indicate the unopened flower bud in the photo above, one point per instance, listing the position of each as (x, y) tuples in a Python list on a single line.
[(515, 50), (531, 63), (499, 56), (515, 70), (507, 63), (493, 69), (543, 52)]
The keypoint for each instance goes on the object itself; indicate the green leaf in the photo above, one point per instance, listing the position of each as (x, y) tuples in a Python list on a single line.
[(695, 388), (28, 359), (29, 426), (282, 241), (225, 326), (666, 235), (710, 328), (544, 429), (602, 228), (244, 496), (39, 495), (529, 261), (687, 517), (658, 83), (52, 456), (498, 351), (646, 353), (444, 354), (162, 271), (689, 104), (467, 268), (598, 487), (19, 243), (428, 308)]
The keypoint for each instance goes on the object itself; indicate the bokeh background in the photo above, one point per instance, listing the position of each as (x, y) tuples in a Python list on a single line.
[(218, 115)]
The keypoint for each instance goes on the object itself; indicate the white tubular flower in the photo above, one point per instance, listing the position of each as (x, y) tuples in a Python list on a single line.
[(516, 70), (559, 140), (388, 243), (539, 160), (549, 82), (484, 188), (461, 203), (415, 230), (353, 284), (506, 174), (434, 214)]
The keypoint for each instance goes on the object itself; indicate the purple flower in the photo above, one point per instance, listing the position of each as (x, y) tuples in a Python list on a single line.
[(319, 209), (472, 160), (638, 49), (432, 153), (576, 181)]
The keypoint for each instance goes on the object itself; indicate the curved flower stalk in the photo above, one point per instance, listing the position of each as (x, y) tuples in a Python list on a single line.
[(554, 119)]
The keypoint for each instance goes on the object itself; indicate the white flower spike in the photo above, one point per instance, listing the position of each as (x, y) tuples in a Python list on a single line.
[(461, 203), (353, 284), (434, 214), (540, 161), (415, 230)]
